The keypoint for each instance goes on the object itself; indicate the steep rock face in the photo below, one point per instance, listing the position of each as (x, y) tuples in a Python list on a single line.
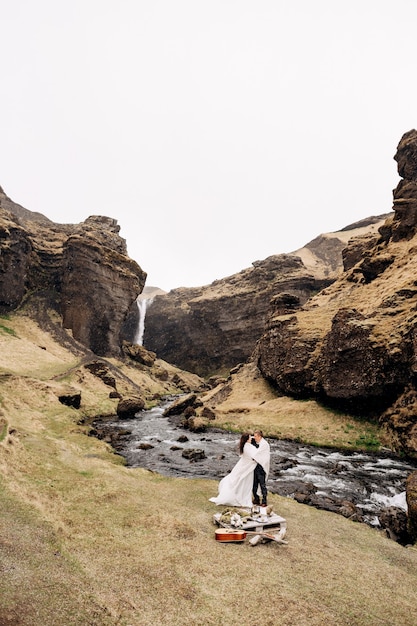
[(215, 327), (404, 224), (208, 329), (16, 251), (99, 284), (82, 269), (354, 344)]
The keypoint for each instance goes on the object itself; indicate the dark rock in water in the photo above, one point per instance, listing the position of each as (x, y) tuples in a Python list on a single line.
[(394, 521), (128, 407), (349, 510), (116, 437), (145, 446), (282, 464), (196, 424), (194, 454), (304, 492), (180, 405)]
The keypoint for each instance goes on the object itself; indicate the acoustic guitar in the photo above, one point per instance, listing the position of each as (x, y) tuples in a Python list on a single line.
[(230, 534)]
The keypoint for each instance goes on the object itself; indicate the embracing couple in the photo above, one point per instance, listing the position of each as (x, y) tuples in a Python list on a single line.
[(245, 485)]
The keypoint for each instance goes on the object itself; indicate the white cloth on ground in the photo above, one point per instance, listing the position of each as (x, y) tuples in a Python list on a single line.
[(235, 489)]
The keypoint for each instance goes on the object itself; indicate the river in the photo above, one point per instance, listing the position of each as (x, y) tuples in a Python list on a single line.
[(368, 480)]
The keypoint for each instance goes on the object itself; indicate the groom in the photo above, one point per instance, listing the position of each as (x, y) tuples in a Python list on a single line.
[(262, 456)]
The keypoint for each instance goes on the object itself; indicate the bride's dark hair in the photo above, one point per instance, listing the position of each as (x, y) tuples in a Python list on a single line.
[(244, 438)]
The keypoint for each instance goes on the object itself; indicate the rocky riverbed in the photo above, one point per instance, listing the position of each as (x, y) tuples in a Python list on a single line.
[(361, 486)]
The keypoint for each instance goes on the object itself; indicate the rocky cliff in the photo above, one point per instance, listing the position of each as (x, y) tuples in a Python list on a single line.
[(354, 344), (213, 328), (81, 270)]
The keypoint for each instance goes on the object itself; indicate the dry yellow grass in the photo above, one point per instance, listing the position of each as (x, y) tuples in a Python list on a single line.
[(85, 541)]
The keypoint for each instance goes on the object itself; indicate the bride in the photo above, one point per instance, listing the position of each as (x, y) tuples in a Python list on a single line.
[(235, 488)]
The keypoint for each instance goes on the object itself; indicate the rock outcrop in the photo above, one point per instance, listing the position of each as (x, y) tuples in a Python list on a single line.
[(82, 270), (211, 329), (354, 344), (411, 491)]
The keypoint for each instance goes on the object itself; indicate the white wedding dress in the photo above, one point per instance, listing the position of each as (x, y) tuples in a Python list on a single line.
[(235, 489)]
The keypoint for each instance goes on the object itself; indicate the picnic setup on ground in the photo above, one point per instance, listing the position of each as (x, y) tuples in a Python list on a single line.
[(242, 489), (259, 525)]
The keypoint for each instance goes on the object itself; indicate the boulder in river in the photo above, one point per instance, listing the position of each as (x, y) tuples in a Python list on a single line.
[(128, 407)]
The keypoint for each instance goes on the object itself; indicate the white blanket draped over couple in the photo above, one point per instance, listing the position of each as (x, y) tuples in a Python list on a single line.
[(246, 483)]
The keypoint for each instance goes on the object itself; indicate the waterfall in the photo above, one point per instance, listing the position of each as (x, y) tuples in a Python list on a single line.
[(143, 304)]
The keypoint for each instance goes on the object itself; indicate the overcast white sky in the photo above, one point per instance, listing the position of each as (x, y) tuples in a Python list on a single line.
[(217, 132)]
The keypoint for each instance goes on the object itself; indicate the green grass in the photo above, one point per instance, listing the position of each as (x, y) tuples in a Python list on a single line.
[(6, 330), (368, 441), (3, 429)]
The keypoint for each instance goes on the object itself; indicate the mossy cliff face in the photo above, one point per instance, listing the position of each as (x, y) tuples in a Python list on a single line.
[(82, 270), (354, 345), (212, 328)]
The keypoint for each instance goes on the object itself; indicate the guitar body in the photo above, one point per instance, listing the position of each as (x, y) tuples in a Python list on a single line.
[(230, 534)]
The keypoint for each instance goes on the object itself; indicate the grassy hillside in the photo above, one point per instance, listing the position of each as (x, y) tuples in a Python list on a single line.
[(86, 541), (247, 399)]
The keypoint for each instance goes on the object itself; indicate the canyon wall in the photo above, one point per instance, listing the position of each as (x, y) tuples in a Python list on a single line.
[(81, 270), (211, 329)]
